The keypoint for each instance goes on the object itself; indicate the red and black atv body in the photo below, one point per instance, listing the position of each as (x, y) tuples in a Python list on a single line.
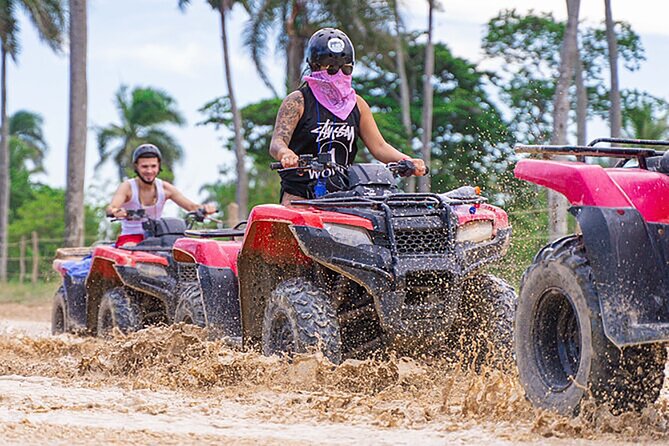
[(370, 266), (594, 306)]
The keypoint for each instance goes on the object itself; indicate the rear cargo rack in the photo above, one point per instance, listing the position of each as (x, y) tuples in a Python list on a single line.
[(639, 153)]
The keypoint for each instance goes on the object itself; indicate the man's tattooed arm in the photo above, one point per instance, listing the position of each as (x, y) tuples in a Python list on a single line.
[(287, 118)]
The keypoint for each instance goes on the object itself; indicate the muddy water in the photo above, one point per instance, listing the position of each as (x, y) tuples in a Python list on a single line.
[(173, 386)]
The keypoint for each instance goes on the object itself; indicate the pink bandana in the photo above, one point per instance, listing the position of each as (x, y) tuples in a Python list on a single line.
[(334, 92)]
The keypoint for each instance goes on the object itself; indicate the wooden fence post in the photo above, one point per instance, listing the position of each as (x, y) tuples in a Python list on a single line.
[(233, 214), (35, 256), (22, 259)]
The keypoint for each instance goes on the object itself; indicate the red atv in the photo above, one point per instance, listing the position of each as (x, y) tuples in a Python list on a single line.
[(593, 311), (126, 287), (355, 270)]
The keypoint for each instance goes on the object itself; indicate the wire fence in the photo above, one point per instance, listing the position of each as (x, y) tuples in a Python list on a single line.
[(30, 257)]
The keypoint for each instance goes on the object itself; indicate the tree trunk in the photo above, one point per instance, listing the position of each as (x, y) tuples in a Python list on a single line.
[(405, 99), (424, 182), (242, 194), (557, 204), (296, 47), (581, 103), (76, 148), (615, 114), (4, 166)]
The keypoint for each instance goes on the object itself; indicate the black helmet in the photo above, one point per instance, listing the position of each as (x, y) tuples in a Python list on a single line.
[(330, 47), (146, 151)]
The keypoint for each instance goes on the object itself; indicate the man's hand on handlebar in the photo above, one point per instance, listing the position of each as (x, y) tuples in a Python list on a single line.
[(119, 213), (208, 209)]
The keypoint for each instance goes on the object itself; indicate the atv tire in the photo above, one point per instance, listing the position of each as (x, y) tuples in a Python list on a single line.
[(117, 310), (59, 323), (562, 352), (299, 317), (484, 328), (190, 308)]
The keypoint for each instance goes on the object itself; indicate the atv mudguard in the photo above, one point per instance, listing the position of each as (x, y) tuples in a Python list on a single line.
[(217, 277), (272, 254), (113, 267), (624, 218)]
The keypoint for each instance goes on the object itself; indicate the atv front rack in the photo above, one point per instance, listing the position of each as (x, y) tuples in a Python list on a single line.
[(639, 153)]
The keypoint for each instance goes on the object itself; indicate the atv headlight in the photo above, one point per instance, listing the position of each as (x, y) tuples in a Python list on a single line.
[(151, 270), (348, 235), (474, 231)]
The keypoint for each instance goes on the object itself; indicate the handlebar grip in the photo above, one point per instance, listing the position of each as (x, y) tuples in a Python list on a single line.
[(427, 170), (276, 166)]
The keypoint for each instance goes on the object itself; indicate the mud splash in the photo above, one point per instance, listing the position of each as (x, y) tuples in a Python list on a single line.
[(393, 392)]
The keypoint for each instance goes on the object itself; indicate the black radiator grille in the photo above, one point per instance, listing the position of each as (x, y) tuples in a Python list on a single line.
[(424, 241)]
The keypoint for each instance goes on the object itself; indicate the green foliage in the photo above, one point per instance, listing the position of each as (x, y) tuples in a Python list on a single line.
[(48, 16), (645, 116), (27, 149), (257, 126), (469, 139), (44, 214), (143, 112), (529, 48)]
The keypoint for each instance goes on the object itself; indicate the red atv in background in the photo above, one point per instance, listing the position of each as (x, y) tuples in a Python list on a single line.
[(126, 287), (359, 269), (593, 311)]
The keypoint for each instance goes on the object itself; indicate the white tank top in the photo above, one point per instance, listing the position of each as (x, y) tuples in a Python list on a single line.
[(154, 211)]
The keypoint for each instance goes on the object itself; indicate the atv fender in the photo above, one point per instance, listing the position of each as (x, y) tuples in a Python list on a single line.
[(219, 254), (221, 300), (631, 280), (270, 255), (75, 303), (582, 184)]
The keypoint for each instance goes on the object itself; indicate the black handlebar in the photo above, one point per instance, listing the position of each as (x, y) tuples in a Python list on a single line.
[(404, 168)]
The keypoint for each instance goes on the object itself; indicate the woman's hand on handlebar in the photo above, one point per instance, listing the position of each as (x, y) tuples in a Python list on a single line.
[(288, 158), (421, 168)]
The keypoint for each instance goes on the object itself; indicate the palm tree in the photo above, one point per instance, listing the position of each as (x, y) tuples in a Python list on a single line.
[(365, 22), (49, 18), (242, 194), (557, 205), (405, 95), (615, 113), (426, 151), (27, 146), (27, 149), (76, 148), (142, 113)]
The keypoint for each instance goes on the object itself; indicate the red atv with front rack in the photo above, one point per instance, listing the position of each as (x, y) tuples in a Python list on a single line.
[(593, 312), (363, 268)]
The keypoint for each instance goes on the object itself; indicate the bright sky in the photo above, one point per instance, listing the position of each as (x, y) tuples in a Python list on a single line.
[(151, 43)]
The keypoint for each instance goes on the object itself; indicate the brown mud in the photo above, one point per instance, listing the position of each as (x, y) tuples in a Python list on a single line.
[(174, 386)]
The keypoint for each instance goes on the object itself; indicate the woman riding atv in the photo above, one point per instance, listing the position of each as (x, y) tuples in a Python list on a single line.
[(326, 115)]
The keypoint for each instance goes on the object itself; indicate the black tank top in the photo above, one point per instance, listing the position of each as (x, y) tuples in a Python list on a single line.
[(318, 127)]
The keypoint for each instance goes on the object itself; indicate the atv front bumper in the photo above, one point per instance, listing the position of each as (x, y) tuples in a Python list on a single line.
[(390, 279)]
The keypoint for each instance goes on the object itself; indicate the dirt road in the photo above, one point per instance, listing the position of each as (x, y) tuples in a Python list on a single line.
[(173, 386)]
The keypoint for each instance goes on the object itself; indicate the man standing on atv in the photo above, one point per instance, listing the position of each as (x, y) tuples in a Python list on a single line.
[(146, 192), (326, 115)]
